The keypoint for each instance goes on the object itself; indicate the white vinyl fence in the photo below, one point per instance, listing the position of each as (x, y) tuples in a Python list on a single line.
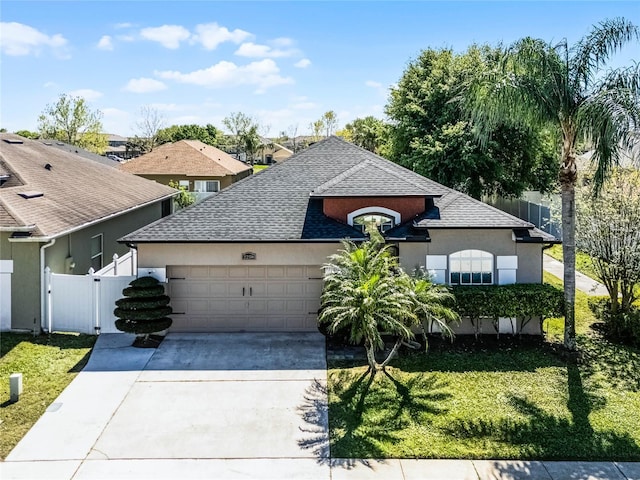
[(85, 303)]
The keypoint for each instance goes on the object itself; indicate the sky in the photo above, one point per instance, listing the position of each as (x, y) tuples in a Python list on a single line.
[(283, 63)]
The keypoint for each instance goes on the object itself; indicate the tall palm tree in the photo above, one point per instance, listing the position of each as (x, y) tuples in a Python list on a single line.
[(566, 87)]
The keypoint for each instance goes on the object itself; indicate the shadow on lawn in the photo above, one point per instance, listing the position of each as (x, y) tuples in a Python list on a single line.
[(10, 340), (547, 437), (367, 411), (619, 364)]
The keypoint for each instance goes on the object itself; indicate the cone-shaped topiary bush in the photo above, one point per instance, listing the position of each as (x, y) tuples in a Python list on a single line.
[(144, 308)]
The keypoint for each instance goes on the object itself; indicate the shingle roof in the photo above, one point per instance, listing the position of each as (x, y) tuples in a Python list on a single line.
[(279, 204), (186, 157), (76, 191), (79, 151)]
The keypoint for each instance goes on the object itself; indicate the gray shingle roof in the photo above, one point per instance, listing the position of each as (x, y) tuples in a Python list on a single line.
[(279, 204), (75, 191)]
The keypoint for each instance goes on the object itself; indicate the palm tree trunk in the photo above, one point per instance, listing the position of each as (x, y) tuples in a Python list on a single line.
[(392, 353), (371, 357), (568, 175)]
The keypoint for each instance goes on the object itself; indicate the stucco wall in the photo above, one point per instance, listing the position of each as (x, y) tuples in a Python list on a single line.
[(339, 208), (161, 255), (25, 281), (165, 179)]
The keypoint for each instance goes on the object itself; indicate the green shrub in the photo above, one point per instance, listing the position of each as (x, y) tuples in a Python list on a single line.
[(145, 308), (623, 327)]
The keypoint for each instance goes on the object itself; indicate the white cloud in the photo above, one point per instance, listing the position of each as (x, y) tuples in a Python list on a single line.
[(126, 38), (105, 43), (282, 42), (18, 39), (210, 35), (123, 25), (169, 36), (144, 85), (304, 63), (263, 74), (373, 84), (86, 93), (254, 50)]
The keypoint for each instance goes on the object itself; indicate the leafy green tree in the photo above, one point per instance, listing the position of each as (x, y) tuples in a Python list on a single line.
[(206, 134), (608, 229), (316, 129), (368, 294), (70, 120), (241, 126), (431, 135), (184, 198), (564, 88), (28, 134), (369, 133), (330, 121), (144, 308)]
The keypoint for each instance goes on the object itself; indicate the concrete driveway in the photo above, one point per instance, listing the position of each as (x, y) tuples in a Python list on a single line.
[(246, 405)]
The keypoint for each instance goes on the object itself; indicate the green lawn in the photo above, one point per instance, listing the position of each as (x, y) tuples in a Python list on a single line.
[(518, 400), (259, 168), (47, 363)]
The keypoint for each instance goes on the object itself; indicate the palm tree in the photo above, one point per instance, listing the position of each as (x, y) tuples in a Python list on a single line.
[(367, 293), (540, 84)]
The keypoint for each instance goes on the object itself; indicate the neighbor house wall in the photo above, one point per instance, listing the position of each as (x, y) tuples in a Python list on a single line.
[(25, 281), (225, 181)]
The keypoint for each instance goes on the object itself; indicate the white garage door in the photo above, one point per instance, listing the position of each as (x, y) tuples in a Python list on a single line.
[(277, 298)]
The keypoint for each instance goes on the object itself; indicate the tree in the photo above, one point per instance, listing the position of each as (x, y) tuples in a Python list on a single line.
[(292, 133), (316, 129), (239, 124), (28, 134), (144, 309), (184, 198), (330, 121), (70, 120), (609, 231), (149, 126), (563, 87), (369, 133), (367, 293), (431, 135), (207, 134)]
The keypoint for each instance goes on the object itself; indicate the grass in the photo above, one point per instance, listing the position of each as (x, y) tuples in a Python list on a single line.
[(259, 168), (516, 400), (47, 363)]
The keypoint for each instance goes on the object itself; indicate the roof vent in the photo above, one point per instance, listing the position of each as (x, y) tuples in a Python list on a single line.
[(31, 194), (4, 178), (48, 166), (20, 234), (13, 141), (48, 144)]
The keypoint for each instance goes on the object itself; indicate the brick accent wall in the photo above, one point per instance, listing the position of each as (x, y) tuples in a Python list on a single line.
[(339, 208)]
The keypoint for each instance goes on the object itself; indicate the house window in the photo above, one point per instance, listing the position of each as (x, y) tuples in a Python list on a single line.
[(185, 184), (96, 252), (381, 217), (381, 222), (202, 186), (471, 267)]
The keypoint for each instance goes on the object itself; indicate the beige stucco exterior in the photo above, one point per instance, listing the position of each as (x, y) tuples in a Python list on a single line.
[(411, 254), (25, 280), (225, 181)]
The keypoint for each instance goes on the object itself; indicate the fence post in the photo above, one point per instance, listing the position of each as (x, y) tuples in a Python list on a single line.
[(115, 264), (134, 261), (48, 307)]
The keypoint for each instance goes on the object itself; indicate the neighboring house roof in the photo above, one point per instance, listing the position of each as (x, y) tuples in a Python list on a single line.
[(186, 158), (280, 203), (78, 151), (111, 137), (65, 191)]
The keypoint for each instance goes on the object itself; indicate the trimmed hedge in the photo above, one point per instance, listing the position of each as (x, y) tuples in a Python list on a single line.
[(524, 301), (144, 309)]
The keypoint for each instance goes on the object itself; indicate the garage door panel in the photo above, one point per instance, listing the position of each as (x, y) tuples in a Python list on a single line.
[(245, 298)]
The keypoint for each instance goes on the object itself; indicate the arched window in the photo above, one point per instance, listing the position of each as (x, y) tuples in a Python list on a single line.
[(471, 267), (383, 218)]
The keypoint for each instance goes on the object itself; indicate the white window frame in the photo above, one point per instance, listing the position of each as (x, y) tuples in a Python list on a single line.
[(480, 256), (99, 254), (198, 184), (185, 183), (373, 210)]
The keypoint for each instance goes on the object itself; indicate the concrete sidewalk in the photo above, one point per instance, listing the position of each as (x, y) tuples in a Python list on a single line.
[(583, 283)]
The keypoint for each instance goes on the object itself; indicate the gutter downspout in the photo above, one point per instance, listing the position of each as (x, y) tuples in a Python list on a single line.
[(43, 292)]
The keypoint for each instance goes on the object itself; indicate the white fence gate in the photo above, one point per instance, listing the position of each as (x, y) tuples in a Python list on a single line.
[(85, 303)]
